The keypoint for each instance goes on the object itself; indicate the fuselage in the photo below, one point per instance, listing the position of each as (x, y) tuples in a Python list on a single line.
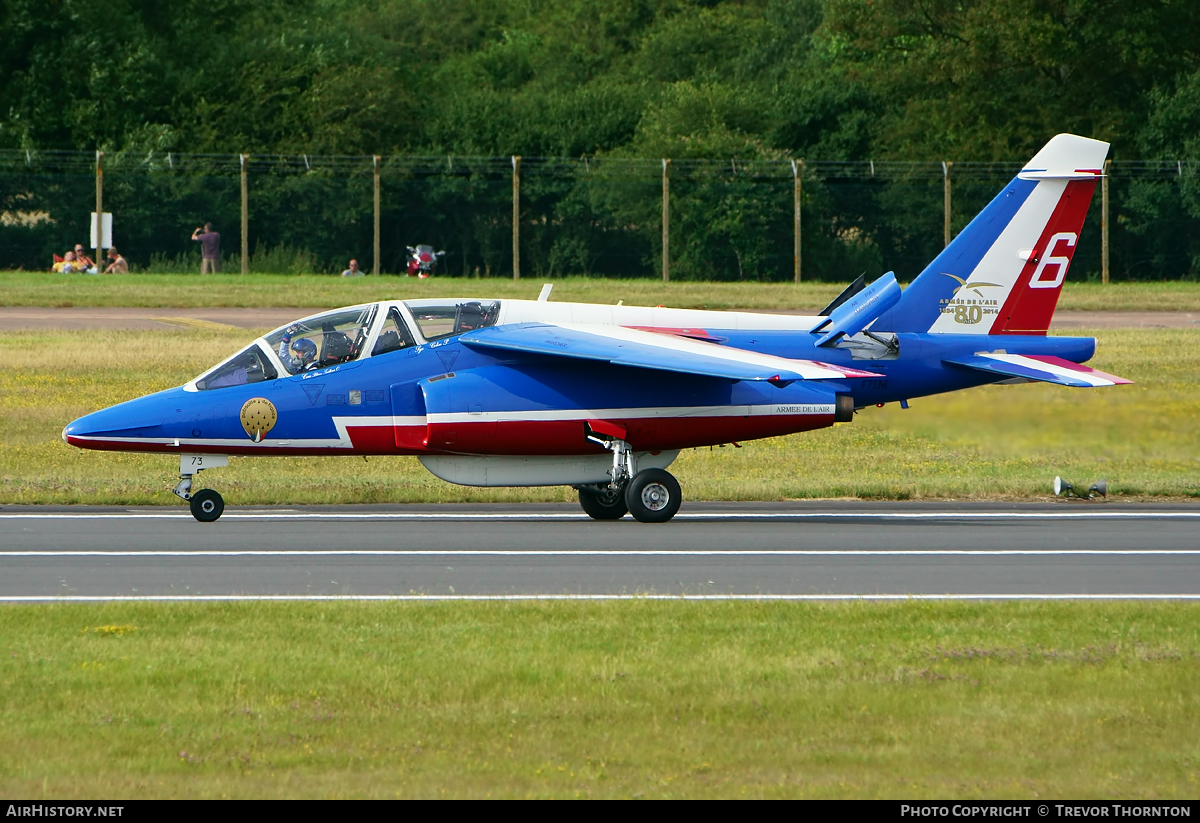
[(437, 396)]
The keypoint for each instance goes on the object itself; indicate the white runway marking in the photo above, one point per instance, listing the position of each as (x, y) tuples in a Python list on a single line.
[(449, 516), (518, 597), (609, 553)]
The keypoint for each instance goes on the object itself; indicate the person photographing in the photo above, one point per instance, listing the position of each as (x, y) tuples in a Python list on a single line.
[(210, 249)]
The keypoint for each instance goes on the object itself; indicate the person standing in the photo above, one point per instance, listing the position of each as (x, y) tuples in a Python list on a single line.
[(353, 271), (210, 249)]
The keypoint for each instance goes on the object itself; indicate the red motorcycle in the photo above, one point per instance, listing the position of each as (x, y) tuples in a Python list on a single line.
[(422, 260)]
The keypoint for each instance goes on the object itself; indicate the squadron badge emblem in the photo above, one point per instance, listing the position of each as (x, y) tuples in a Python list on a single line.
[(258, 418)]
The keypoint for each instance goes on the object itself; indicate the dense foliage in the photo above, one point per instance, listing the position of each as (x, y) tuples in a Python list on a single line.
[(759, 80)]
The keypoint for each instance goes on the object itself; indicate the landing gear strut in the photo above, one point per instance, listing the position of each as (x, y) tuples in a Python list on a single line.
[(206, 504), (650, 495)]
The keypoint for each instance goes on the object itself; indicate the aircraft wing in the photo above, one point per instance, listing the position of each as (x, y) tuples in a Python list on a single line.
[(1038, 367), (623, 346)]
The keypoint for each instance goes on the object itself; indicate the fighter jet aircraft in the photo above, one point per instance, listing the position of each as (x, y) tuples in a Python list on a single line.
[(602, 398)]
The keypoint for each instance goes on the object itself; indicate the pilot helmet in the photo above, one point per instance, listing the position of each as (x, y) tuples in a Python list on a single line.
[(304, 350)]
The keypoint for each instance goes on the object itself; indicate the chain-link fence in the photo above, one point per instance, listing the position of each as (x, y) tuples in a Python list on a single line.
[(724, 220)]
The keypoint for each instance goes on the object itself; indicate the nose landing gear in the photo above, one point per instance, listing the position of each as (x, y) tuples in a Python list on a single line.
[(206, 504)]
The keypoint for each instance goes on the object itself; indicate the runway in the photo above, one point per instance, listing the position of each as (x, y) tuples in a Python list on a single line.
[(795, 550)]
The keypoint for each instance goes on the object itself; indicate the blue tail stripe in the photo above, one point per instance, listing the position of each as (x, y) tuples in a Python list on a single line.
[(921, 302)]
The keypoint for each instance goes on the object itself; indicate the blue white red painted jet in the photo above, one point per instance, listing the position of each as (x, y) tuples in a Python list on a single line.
[(602, 398)]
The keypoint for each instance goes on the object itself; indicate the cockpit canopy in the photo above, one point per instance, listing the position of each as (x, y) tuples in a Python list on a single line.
[(438, 318), (338, 337), (346, 335), (250, 365)]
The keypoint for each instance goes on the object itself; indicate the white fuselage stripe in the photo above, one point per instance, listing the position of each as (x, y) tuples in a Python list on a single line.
[(569, 415), (533, 311), (343, 424)]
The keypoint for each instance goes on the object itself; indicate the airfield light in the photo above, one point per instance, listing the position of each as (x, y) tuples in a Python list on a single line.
[(1064, 489)]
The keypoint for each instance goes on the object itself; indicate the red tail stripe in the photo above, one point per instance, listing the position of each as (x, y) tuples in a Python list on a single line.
[(1026, 310)]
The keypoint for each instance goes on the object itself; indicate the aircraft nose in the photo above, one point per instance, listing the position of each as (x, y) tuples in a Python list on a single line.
[(134, 419), (76, 428), (78, 431)]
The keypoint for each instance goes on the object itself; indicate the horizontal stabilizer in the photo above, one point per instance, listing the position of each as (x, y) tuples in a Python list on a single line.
[(1042, 368), (642, 349), (859, 311)]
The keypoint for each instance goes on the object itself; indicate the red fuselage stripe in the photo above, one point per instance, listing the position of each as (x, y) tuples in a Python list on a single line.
[(552, 437)]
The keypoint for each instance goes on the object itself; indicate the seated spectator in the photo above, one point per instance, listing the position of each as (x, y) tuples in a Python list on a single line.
[(353, 271), (84, 262), (116, 263), (69, 264)]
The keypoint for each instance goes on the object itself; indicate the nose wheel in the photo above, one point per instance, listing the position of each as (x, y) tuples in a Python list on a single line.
[(207, 505)]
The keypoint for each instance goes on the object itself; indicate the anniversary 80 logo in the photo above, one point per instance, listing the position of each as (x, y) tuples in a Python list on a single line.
[(969, 311), (258, 418)]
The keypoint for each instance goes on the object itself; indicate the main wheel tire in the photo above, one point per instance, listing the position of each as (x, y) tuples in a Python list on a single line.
[(603, 504), (207, 505), (653, 496)]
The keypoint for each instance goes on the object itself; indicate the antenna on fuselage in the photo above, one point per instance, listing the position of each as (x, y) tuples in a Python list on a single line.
[(545, 295)]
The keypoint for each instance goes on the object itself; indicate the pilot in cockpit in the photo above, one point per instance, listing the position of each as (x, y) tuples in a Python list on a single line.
[(320, 342), (299, 355)]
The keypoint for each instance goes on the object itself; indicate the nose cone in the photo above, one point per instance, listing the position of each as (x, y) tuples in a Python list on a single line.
[(131, 426)]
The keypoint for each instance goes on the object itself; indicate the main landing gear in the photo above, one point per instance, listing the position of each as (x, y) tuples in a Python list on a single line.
[(206, 504), (650, 495)]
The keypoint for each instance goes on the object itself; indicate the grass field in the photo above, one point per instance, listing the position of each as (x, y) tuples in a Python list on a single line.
[(646, 699), (322, 291), (633, 699), (1004, 442)]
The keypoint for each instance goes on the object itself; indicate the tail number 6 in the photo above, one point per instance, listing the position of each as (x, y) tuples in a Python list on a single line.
[(1060, 263)]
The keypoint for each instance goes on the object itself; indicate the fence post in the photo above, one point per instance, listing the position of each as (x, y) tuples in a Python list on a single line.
[(516, 220), (1104, 224), (797, 172), (376, 258), (666, 198), (99, 208), (946, 164), (245, 219)]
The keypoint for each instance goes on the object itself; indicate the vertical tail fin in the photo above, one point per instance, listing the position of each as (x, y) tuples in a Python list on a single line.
[(1004, 272)]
